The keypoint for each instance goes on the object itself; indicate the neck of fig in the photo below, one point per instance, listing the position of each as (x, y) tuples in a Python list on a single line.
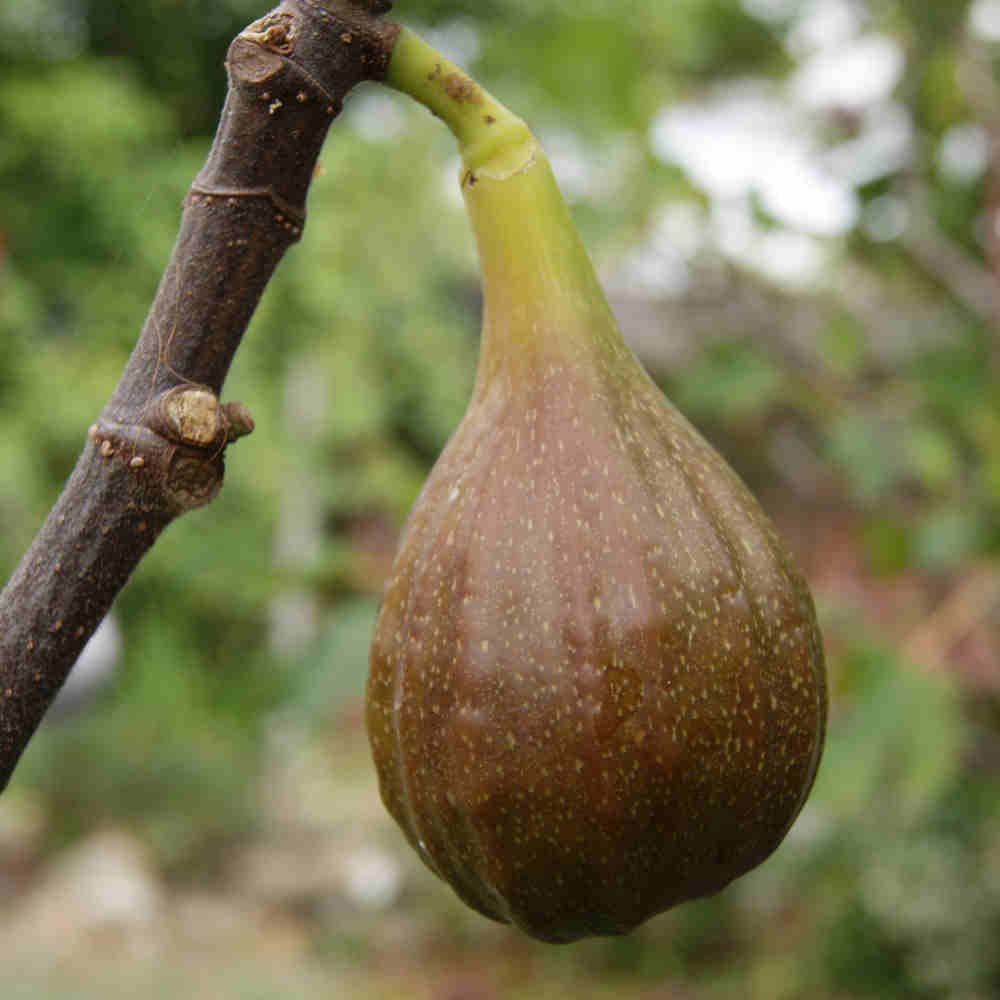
[(543, 306)]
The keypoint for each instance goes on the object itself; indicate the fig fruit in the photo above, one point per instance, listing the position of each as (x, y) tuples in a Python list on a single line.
[(597, 685)]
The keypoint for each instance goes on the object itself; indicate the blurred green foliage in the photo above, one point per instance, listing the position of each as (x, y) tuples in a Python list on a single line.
[(357, 366)]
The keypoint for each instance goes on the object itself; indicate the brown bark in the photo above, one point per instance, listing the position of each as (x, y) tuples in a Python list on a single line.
[(157, 448)]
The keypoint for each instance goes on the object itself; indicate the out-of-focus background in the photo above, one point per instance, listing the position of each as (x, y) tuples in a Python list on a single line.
[(794, 207)]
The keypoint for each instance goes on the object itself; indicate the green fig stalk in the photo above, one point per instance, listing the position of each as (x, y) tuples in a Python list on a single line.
[(539, 285)]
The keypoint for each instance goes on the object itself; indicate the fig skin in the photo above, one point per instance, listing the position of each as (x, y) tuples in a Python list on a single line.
[(597, 685)]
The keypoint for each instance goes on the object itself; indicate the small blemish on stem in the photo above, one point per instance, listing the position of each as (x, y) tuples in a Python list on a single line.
[(462, 90)]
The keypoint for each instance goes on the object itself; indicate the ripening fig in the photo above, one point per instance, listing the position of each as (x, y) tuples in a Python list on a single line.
[(597, 685)]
